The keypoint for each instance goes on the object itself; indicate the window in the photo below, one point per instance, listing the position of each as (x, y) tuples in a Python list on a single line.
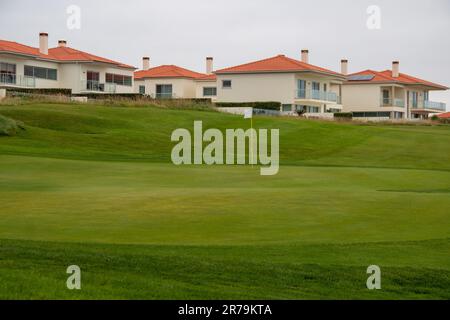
[(386, 97), (301, 88), (325, 87), (142, 89), (118, 79), (286, 107), (164, 91), (209, 91), (371, 114), (92, 82), (41, 73), (414, 99), (311, 109), (426, 96), (316, 90), (7, 73), (226, 84)]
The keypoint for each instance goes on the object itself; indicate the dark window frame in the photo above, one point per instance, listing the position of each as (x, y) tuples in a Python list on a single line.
[(213, 89), (227, 86), (40, 72), (119, 79)]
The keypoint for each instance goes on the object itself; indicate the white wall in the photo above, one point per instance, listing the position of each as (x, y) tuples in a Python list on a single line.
[(181, 88), (279, 87), (205, 84)]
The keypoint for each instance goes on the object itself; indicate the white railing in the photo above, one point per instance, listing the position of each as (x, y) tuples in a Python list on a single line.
[(17, 80), (318, 95), (96, 86)]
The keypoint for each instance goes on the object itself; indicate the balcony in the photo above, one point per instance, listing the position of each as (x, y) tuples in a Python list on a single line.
[(434, 105), (318, 95), (388, 102), (17, 80), (96, 86)]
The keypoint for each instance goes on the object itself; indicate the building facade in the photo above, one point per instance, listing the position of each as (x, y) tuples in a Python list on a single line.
[(61, 67), (174, 82), (389, 94), (299, 86)]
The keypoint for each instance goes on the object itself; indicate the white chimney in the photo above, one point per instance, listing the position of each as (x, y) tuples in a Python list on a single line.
[(43, 43), (395, 69), (305, 56), (62, 43), (209, 65), (344, 66), (145, 63)]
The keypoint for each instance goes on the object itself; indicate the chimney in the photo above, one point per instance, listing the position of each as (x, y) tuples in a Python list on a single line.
[(145, 63), (62, 43), (344, 66), (305, 57), (395, 69), (209, 65), (43, 43)]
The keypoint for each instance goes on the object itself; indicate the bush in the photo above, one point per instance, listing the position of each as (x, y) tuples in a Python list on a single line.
[(267, 105), (435, 118), (343, 115), (41, 91), (8, 127)]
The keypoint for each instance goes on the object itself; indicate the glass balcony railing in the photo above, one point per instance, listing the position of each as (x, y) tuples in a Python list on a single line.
[(318, 95), (17, 80), (388, 102), (96, 86), (434, 105)]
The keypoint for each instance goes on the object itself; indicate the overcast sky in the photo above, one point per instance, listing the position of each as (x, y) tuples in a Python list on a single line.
[(184, 32)]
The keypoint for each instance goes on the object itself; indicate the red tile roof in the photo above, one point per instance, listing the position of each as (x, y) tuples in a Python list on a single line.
[(279, 63), (58, 54), (386, 77), (171, 71), (444, 115)]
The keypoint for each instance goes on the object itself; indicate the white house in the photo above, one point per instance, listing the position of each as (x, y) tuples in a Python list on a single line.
[(174, 82), (297, 85), (23, 66), (389, 94)]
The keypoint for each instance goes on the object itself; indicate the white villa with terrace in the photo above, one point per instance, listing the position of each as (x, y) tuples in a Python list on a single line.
[(389, 94), (297, 85), (62, 67)]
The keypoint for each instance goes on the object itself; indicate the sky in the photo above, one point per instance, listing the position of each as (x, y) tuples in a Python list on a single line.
[(184, 32)]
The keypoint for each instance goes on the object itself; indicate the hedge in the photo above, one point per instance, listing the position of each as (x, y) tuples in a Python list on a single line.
[(48, 91), (343, 115), (269, 105)]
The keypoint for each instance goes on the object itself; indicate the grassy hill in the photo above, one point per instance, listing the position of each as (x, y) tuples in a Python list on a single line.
[(93, 185)]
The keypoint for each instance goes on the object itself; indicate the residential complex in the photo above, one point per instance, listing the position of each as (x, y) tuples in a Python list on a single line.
[(174, 82), (300, 87), (389, 94), (61, 67)]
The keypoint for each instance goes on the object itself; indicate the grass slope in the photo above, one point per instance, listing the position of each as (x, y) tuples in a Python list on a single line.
[(93, 186)]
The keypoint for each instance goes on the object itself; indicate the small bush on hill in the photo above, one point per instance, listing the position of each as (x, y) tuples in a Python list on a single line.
[(9, 127)]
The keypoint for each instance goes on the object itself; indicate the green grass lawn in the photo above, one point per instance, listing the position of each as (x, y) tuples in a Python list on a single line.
[(94, 186)]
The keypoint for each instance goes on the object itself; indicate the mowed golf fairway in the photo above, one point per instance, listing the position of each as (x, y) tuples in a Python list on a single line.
[(94, 186)]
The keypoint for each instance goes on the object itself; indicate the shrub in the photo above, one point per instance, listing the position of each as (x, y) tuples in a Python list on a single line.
[(8, 127), (266, 105), (343, 115), (434, 118)]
